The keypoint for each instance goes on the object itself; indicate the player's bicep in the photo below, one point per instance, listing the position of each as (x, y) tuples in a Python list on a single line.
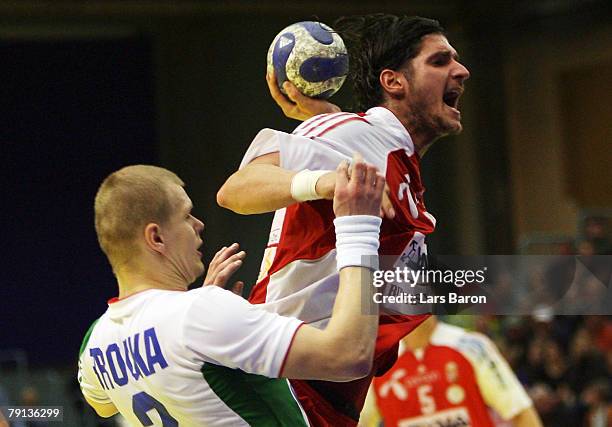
[(308, 355), (225, 329), (316, 355)]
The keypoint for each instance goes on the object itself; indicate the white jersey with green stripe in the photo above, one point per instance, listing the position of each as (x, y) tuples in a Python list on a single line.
[(204, 357)]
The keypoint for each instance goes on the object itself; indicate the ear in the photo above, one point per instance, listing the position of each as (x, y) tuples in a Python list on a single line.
[(394, 83), (153, 237)]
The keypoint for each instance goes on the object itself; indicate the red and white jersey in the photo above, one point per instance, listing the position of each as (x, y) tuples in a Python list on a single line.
[(298, 274), (302, 235), (456, 380)]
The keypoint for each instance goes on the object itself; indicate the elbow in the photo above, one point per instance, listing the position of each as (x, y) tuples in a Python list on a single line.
[(362, 366), (356, 365), (225, 199), (357, 372), (222, 198)]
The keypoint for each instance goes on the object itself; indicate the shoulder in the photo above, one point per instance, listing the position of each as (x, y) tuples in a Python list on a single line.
[(211, 294), (322, 124), (89, 333), (214, 305), (476, 346)]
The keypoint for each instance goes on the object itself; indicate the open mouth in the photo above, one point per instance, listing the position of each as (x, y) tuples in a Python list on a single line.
[(451, 98)]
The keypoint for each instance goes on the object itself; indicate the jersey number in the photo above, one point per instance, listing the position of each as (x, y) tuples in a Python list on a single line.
[(404, 191), (426, 400), (143, 403)]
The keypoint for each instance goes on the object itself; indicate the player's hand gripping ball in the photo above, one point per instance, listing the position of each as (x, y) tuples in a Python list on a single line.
[(310, 55)]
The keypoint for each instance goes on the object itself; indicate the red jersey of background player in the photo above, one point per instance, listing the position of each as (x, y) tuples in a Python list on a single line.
[(456, 380)]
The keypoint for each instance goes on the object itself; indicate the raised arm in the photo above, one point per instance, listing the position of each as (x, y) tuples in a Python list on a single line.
[(296, 105), (263, 186), (343, 351)]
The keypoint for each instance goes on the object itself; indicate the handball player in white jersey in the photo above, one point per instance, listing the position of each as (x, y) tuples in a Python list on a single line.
[(407, 79), (165, 356)]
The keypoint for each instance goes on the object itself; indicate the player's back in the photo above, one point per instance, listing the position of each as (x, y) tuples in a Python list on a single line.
[(143, 356)]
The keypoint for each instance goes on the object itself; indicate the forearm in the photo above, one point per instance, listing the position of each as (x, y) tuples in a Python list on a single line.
[(353, 326), (343, 351), (257, 188)]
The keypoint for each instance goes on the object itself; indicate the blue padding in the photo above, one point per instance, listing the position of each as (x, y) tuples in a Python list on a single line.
[(280, 54), (317, 31), (317, 69)]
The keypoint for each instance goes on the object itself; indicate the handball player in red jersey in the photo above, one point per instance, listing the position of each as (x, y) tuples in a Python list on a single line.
[(407, 82)]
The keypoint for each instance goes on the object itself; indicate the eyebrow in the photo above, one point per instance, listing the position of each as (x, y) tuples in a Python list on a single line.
[(446, 52)]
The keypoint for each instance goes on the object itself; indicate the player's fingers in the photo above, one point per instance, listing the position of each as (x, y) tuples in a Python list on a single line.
[(358, 169), (381, 181), (301, 106), (278, 97), (224, 253), (294, 94), (235, 257), (342, 174), (218, 254), (272, 86), (226, 272), (386, 204), (237, 287), (371, 176), (222, 259), (215, 260)]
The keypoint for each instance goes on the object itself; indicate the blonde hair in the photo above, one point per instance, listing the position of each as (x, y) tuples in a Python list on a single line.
[(126, 202)]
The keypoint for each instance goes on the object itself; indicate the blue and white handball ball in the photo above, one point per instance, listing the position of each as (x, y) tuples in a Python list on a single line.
[(310, 55)]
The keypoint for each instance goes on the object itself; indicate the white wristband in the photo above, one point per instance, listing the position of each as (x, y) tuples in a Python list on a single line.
[(304, 183), (357, 241)]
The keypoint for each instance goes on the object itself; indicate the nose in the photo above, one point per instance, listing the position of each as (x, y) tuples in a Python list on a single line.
[(460, 72), (199, 225)]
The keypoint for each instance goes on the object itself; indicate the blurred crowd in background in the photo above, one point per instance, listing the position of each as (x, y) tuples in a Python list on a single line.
[(565, 362)]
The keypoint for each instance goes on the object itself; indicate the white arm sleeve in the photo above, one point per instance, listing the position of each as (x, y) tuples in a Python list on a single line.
[(265, 142), (499, 386), (223, 328), (296, 152), (90, 385)]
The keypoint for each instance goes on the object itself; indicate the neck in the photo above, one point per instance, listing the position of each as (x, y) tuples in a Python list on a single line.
[(419, 338), (421, 136), (131, 282)]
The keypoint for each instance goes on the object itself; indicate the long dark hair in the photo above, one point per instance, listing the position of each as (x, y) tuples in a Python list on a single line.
[(378, 41)]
